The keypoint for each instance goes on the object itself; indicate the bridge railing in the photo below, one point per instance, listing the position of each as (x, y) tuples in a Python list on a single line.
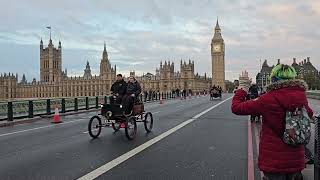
[(313, 94), (37, 107)]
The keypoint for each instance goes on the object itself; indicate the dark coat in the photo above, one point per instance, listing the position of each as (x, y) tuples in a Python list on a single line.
[(274, 155), (133, 88), (253, 90), (119, 87)]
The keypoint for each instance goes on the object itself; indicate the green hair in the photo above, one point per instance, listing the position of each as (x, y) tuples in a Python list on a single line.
[(282, 71)]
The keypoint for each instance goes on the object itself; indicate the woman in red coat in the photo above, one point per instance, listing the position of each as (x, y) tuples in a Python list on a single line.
[(277, 160)]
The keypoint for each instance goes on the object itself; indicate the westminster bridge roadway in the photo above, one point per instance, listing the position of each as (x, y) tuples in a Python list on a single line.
[(191, 139)]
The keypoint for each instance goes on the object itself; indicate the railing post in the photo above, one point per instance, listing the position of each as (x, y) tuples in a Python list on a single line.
[(145, 97), (30, 109), (141, 98), (10, 111), (152, 96), (97, 102), (162, 95), (317, 149), (87, 103), (63, 105), (48, 107), (75, 104)]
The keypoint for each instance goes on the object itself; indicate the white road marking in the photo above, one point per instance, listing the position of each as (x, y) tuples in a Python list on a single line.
[(42, 127), (103, 169), (156, 112), (180, 105)]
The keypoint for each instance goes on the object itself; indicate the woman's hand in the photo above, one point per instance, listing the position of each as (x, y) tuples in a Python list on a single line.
[(244, 81)]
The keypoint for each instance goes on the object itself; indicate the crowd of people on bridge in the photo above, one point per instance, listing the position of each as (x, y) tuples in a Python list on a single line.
[(277, 159)]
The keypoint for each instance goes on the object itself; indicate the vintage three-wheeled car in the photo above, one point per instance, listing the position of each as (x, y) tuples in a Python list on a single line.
[(112, 115)]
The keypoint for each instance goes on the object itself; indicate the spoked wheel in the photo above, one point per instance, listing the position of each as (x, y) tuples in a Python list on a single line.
[(94, 126), (131, 127), (148, 122), (116, 126)]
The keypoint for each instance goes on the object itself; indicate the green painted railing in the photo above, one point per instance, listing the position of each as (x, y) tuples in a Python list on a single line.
[(313, 94), (30, 108)]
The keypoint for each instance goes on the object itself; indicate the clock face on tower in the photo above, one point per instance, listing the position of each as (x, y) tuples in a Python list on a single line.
[(216, 48)]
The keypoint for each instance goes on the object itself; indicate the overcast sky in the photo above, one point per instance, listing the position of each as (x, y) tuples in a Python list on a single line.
[(141, 33)]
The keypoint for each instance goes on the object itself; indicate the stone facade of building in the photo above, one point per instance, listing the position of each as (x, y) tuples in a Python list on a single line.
[(54, 82), (167, 79), (305, 70), (218, 58)]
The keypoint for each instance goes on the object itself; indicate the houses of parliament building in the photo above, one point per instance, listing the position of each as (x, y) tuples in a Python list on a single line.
[(54, 82)]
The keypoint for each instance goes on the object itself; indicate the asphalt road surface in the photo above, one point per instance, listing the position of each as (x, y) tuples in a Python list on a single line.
[(191, 139)]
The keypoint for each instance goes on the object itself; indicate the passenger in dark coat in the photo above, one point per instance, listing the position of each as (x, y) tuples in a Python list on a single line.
[(118, 89), (132, 93)]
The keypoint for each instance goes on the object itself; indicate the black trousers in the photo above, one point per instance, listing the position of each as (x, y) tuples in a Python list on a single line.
[(127, 102)]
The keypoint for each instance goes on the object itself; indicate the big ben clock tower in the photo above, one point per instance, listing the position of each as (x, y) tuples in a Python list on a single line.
[(217, 56)]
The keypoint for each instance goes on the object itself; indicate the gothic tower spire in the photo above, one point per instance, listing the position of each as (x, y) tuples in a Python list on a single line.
[(217, 25), (41, 44), (105, 53), (217, 31)]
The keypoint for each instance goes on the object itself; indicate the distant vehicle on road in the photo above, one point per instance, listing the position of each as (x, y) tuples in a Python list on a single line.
[(215, 92)]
